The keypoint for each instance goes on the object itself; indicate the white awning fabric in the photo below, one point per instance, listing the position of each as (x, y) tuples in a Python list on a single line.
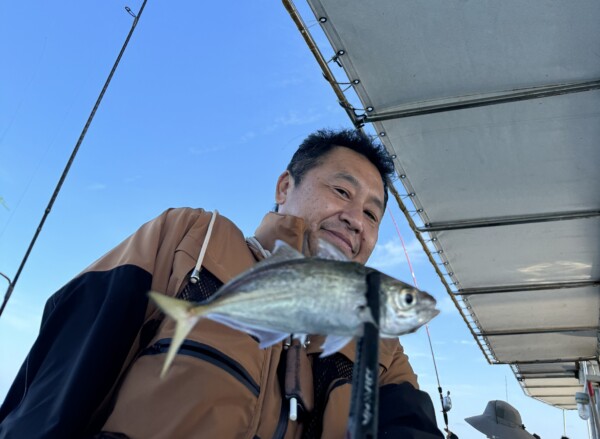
[(492, 111)]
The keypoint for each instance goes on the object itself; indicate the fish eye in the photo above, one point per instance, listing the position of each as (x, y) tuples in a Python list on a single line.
[(409, 298)]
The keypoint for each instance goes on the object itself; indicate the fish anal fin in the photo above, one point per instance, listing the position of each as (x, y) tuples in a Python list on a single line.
[(265, 337), (334, 343), (269, 338)]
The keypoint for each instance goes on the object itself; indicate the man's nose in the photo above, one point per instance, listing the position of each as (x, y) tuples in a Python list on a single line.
[(353, 219)]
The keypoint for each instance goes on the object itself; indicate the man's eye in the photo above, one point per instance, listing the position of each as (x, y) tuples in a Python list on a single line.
[(342, 192), (371, 215)]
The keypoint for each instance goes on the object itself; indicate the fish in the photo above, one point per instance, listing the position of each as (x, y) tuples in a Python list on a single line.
[(290, 294)]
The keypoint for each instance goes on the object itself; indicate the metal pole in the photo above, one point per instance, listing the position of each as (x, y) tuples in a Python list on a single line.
[(595, 416)]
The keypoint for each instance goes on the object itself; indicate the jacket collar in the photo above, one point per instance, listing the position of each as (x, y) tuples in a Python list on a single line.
[(287, 228)]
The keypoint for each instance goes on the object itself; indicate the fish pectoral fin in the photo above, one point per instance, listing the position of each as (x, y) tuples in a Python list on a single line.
[(334, 343), (365, 315), (281, 253), (301, 337)]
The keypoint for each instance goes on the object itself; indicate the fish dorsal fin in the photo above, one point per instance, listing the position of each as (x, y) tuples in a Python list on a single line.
[(329, 251), (281, 253)]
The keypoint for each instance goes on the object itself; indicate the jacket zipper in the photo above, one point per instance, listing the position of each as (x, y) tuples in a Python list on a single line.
[(282, 423), (209, 354)]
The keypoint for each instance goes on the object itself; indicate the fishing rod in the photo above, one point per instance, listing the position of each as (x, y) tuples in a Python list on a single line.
[(364, 400), (11, 285)]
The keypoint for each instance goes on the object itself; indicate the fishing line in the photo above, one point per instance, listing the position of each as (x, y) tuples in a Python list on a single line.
[(25, 95), (445, 401), (11, 287), (42, 160)]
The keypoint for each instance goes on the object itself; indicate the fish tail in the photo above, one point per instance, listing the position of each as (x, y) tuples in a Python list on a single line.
[(185, 314)]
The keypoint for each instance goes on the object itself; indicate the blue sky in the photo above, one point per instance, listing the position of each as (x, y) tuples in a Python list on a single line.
[(205, 110)]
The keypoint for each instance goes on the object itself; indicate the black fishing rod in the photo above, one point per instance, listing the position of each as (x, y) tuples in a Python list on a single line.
[(364, 402), (12, 283)]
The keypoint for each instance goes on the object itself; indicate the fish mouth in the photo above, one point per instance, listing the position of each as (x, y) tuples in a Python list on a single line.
[(427, 309), (342, 242), (427, 314), (424, 316)]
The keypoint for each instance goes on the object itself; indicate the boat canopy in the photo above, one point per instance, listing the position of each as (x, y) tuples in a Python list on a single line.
[(491, 110)]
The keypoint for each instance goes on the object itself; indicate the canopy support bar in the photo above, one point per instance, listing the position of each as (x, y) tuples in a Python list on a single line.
[(538, 331), (482, 100), (507, 221), (524, 288)]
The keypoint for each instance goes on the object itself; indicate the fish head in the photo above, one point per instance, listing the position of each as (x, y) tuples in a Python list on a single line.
[(404, 309)]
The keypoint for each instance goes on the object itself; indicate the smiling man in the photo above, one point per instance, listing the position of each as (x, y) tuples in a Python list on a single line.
[(97, 360), (341, 199)]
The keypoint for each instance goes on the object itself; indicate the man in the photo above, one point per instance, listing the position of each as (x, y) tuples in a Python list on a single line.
[(97, 361)]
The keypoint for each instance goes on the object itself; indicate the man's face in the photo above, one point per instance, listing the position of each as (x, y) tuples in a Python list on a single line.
[(341, 201)]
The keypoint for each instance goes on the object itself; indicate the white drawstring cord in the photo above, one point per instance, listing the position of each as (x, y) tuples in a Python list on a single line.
[(195, 277), (253, 242)]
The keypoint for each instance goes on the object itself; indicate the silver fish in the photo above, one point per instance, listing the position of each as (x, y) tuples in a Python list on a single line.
[(288, 293)]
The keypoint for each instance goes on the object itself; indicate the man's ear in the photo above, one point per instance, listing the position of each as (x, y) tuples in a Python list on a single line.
[(284, 184)]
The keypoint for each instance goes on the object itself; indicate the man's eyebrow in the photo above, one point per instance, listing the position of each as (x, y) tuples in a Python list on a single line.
[(349, 178), (354, 182)]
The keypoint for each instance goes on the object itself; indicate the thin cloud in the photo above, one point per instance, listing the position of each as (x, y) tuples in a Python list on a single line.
[(133, 178), (391, 254), (5, 175), (463, 390), (446, 305), (96, 187), (248, 136), (29, 323), (465, 342), (287, 82), (293, 118), (418, 354), (22, 317), (204, 150)]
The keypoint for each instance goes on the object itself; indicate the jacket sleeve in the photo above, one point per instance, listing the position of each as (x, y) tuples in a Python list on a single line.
[(399, 369), (89, 329), (404, 410), (407, 413)]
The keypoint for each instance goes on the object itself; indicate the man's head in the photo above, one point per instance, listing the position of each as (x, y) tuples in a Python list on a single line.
[(318, 144), (337, 182)]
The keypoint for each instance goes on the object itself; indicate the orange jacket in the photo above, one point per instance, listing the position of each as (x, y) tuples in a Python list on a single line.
[(222, 385)]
